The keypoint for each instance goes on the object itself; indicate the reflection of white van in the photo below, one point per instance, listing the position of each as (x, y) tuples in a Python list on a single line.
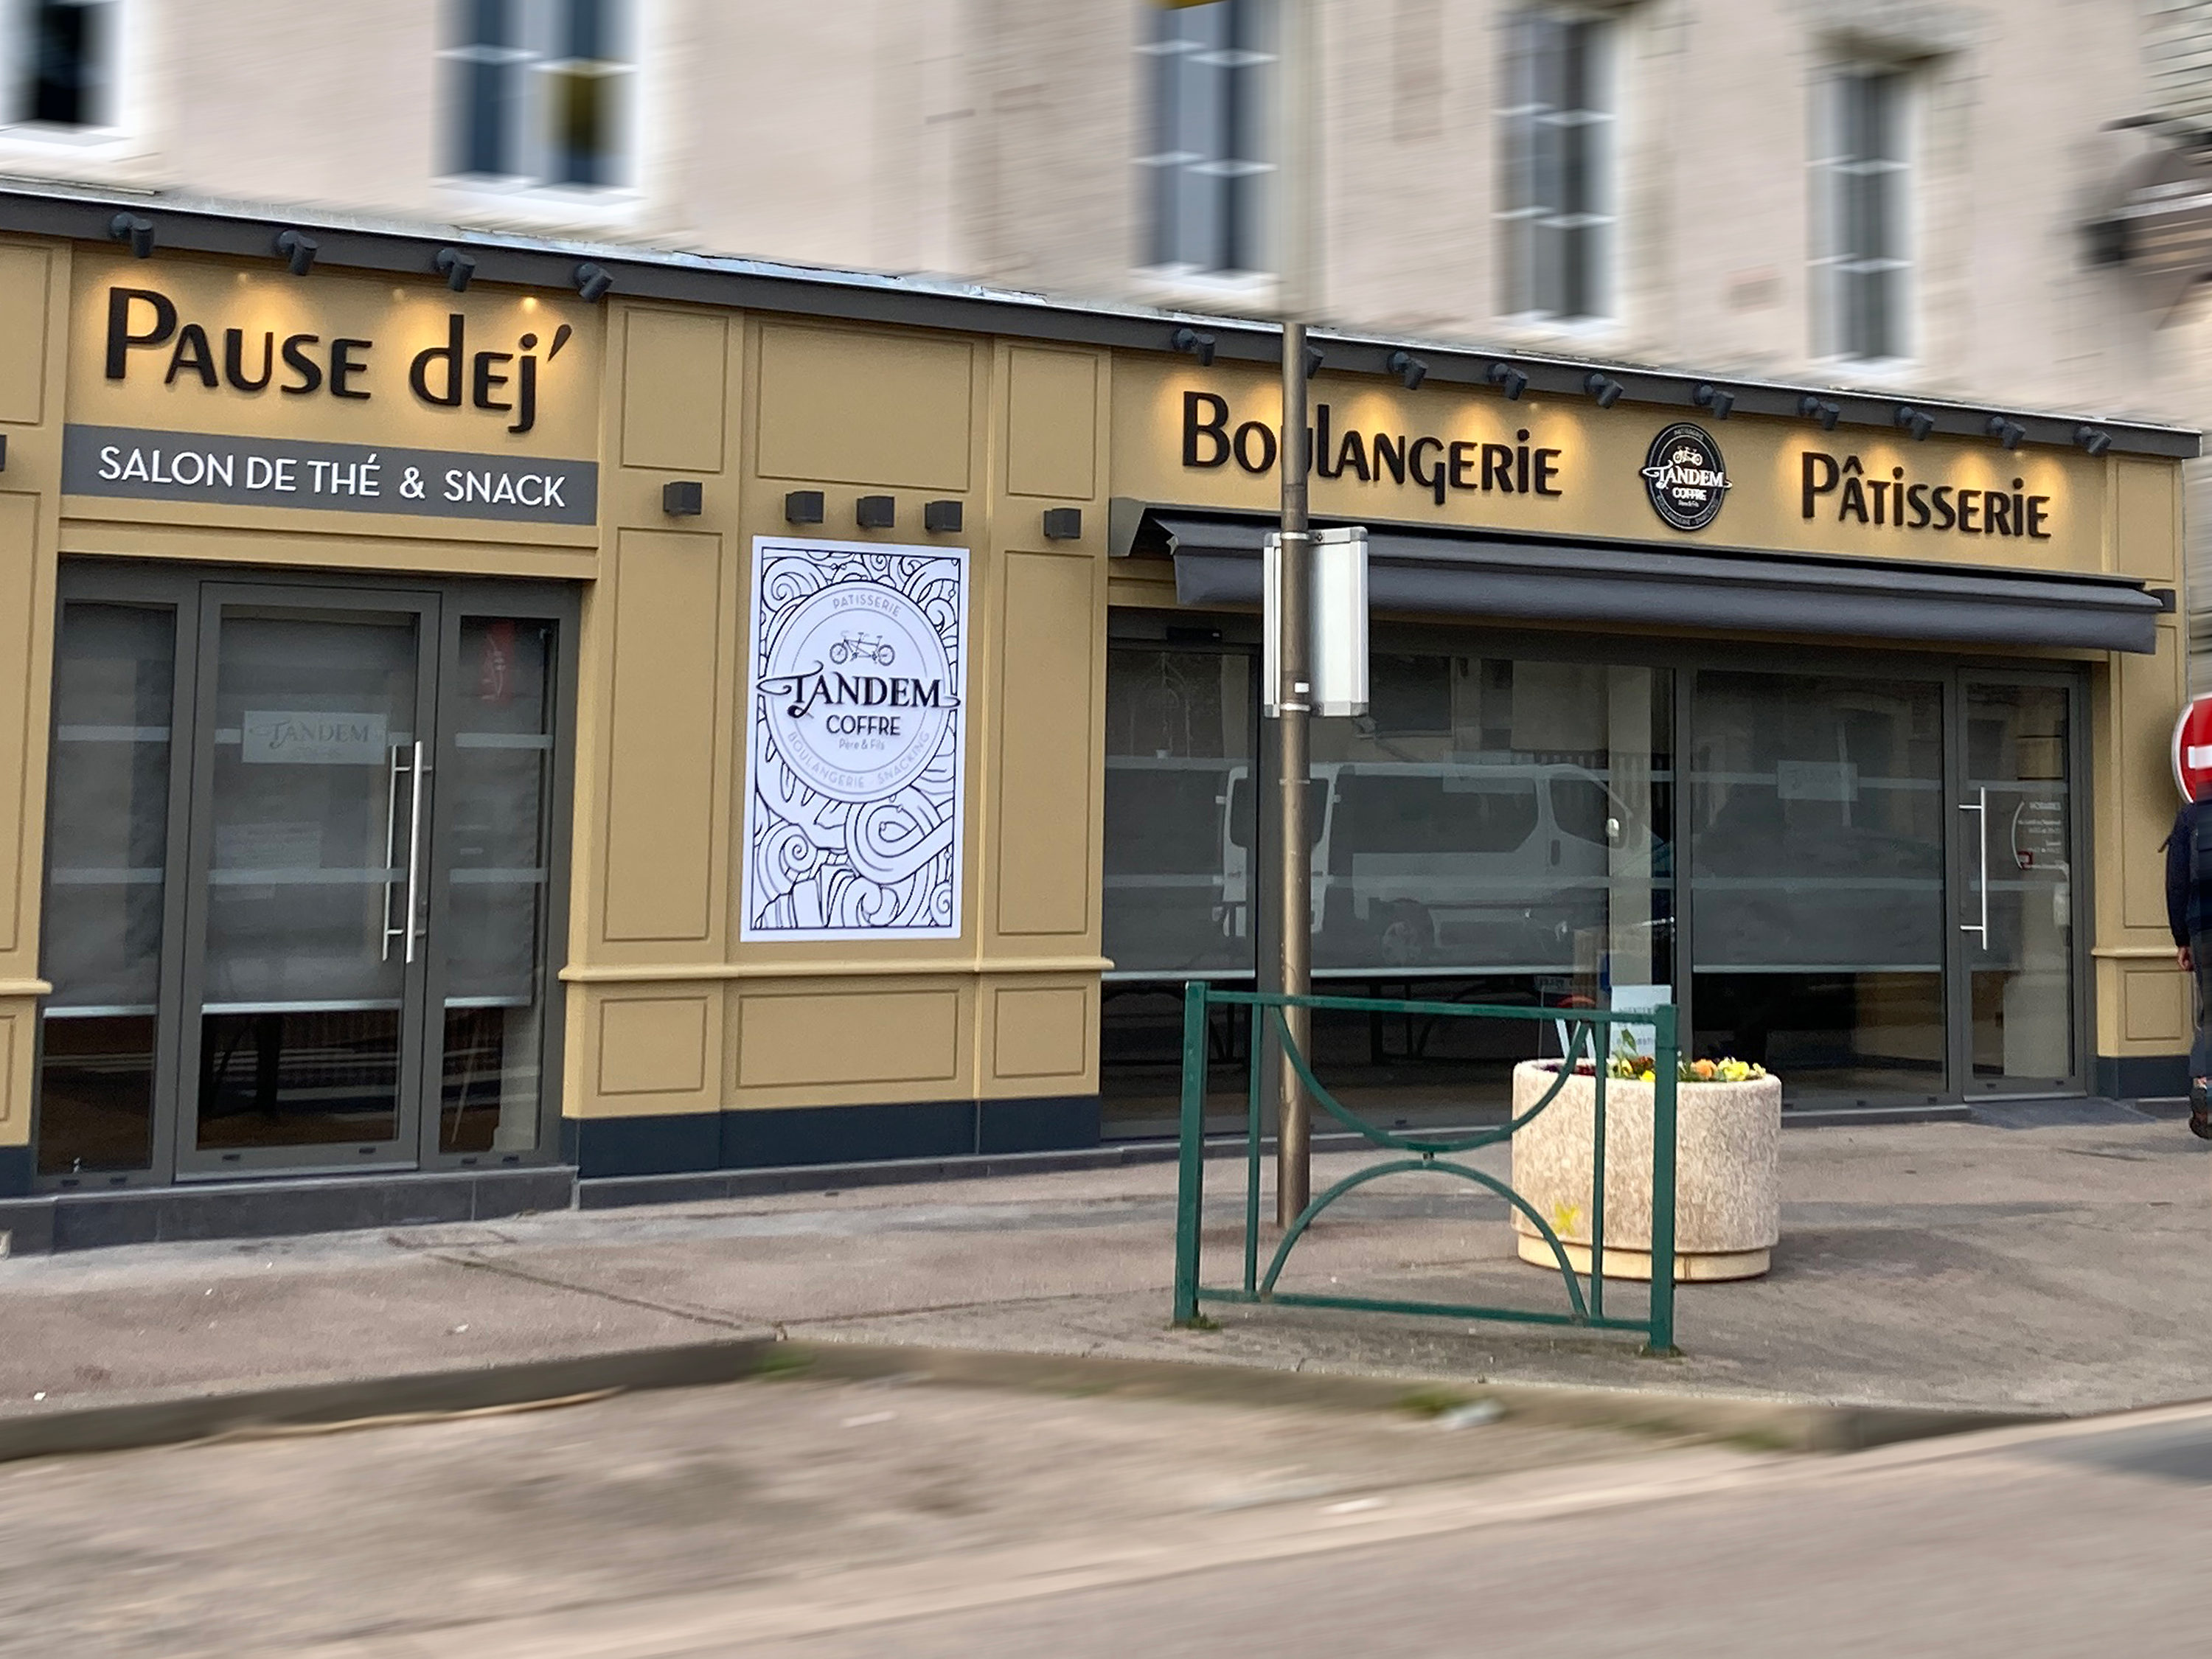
[(1490, 867)]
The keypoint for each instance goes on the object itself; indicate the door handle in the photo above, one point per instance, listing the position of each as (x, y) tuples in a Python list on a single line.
[(391, 827), (415, 849), (1980, 808)]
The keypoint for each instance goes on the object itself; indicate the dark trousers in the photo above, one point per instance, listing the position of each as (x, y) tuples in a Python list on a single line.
[(2200, 1051)]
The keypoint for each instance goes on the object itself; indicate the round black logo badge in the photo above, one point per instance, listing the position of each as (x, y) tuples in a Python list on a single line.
[(1685, 476)]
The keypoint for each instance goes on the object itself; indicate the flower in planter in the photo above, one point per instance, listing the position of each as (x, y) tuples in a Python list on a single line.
[(1630, 1067)]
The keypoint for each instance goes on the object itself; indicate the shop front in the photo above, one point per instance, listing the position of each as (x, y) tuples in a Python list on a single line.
[(481, 738)]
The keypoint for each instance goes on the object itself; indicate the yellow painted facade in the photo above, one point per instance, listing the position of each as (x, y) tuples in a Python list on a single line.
[(667, 1013)]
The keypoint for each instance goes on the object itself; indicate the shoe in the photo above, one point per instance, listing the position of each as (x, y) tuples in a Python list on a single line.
[(2200, 1109)]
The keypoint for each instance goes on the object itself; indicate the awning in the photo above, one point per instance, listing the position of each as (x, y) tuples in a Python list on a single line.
[(1424, 573)]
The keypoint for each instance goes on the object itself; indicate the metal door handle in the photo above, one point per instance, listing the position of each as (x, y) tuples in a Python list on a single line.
[(415, 850), (1981, 809), (391, 824)]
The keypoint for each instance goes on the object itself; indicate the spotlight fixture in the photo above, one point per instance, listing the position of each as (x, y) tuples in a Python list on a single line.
[(683, 498), (136, 230), (1409, 368), (941, 518), (458, 269), (876, 512), (1315, 355), (1063, 523), (593, 281), (1604, 388), (2007, 433), (1709, 396), (1821, 410), (1917, 421), (1505, 375), (297, 251), (2094, 439), (1200, 346), (803, 507)]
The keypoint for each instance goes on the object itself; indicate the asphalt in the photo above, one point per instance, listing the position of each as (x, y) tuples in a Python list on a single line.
[(2041, 1259)]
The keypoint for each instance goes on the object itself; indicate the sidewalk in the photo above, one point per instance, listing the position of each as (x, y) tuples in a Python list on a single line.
[(2040, 1259)]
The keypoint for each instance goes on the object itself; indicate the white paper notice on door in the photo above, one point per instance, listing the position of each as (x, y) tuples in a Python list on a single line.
[(312, 737)]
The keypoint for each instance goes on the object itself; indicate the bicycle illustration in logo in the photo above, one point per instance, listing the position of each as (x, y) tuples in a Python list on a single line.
[(863, 648)]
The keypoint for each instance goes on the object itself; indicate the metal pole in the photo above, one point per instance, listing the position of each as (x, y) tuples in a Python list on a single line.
[(1293, 695), (1293, 845)]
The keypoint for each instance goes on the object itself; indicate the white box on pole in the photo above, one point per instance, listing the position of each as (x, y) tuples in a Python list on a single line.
[(1339, 651), (1337, 645)]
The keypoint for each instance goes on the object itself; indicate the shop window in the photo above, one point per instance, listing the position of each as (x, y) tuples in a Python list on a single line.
[(1207, 161), (1861, 182), (1816, 826), (1556, 215), (1494, 830), (540, 92), (61, 62)]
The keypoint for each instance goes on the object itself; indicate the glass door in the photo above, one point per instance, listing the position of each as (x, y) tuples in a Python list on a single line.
[(2016, 1017), (303, 904), (305, 955)]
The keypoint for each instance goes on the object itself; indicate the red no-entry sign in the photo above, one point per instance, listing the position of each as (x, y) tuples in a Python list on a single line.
[(2192, 747)]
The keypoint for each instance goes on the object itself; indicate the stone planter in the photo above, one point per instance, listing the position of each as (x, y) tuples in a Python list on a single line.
[(1728, 1208)]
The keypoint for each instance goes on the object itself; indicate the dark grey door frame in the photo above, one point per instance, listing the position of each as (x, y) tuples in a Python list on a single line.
[(188, 593)]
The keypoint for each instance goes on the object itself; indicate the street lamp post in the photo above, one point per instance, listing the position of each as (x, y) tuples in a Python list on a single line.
[(1292, 693)]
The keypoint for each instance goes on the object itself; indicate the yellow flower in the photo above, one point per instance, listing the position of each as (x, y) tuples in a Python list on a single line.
[(1647, 1077)]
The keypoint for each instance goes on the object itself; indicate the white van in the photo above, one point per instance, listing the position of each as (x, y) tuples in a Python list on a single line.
[(1491, 867)]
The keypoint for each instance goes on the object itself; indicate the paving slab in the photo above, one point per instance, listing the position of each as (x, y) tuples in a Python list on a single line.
[(2053, 1263)]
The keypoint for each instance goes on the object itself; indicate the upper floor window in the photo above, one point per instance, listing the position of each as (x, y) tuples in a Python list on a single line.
[(1862, 202), (1556, 195), (61, 60), (1211, 73), (538, 92)]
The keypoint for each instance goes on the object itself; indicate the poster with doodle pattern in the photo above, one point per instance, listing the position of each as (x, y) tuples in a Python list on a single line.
[(855, 737)]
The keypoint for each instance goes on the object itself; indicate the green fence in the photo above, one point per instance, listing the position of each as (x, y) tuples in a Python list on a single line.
[(1588, 1032)]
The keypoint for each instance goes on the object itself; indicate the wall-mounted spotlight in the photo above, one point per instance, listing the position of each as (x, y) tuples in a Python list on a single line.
[(683, 498), (1315, 355), (1821, 410), (1063, 523), (297, 251), (458, 269), (1200, 346), (593, 281), (1604, 388), (803, 507), (136, 230), (876, 512), (2094, 439), (1409, 368), (2007, 433), (1917, 422), (941, 518), (1505, 375), (1710, 396)]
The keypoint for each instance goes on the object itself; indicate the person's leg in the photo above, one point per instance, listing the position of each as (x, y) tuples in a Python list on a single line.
[(2200, 1051)]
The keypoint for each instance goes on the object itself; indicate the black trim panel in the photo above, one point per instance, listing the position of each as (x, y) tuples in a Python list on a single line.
[(2142, 1077)]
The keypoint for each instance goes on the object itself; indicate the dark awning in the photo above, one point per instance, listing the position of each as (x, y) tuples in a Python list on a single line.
[(1426, 572)]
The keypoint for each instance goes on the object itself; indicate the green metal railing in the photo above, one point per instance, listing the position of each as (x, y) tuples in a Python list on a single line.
[(1425, 1153)]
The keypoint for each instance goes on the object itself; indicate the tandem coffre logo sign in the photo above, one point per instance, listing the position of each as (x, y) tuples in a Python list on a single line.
[(495, 380)]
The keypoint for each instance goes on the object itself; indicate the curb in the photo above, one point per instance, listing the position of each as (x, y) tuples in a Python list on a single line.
[(1778, 1424)]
